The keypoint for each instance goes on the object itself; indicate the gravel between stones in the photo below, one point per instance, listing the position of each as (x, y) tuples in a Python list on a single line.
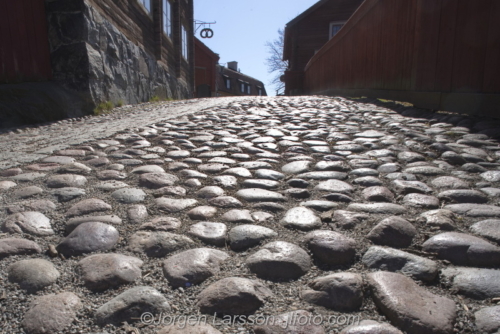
[(293, 199)]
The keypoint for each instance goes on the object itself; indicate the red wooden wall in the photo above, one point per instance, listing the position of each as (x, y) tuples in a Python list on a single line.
[(24, 46), (442, 54), (205, 62)]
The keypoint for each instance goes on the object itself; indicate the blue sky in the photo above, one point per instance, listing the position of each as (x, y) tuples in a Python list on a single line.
[(243, 28)]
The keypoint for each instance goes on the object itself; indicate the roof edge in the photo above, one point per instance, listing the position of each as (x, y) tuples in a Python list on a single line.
[(306, 12), (242, 74)]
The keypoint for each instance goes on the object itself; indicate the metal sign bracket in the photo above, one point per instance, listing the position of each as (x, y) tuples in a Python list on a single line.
[(205, 32)]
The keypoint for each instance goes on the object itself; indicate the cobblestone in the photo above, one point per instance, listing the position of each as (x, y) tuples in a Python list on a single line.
[(252, 205)]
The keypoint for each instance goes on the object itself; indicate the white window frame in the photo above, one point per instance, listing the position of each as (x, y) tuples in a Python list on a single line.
[(167, 18), (143, 4), (335, 23), (184, 42)]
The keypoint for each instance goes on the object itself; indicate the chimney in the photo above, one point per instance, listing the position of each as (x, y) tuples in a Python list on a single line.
[(233, 65)]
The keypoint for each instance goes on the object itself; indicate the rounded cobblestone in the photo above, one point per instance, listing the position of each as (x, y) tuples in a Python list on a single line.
[(328, 177)]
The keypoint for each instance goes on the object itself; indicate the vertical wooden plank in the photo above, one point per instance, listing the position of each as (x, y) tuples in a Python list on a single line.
[(4, 45), (367, 52), (376, 64), (394, 74), (392, 46), (447, 28), (8, 43), (22, 51), (428, 22), (347, 52), (470, 47), (491, 83), (415, 44), (33, 55), (342, 77), (42, 39), (409, 74), (372, 36), (388, 29), (404, 15), (362, 58), (379, 64), (379, 74), (361, 55)]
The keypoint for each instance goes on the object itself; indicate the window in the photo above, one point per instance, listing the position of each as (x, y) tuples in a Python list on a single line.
[(259, 91), (167, 18), (227, 82), (242, 86), (335, 27), (249, 89), (146, 4), (184, 43)]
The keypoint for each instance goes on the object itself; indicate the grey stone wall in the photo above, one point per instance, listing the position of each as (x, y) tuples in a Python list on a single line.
[(92, 57)]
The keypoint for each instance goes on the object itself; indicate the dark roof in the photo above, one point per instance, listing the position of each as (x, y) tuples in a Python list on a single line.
[(235, 75), (241, 75), (307, 12)]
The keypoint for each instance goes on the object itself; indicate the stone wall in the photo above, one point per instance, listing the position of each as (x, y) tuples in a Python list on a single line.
[(91, 56)]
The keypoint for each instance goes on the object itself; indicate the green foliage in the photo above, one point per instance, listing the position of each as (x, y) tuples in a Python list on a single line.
[(155, 98), (103, 107), (120, 103)]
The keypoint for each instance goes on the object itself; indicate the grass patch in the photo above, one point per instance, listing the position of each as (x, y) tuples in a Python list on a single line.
[(156, 98), (103, 107), (120, 103)]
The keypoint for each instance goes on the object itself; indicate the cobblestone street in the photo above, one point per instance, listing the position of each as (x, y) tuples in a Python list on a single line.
[(322, 214)]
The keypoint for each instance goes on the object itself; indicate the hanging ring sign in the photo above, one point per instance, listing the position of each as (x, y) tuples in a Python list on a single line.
[(207, 33)]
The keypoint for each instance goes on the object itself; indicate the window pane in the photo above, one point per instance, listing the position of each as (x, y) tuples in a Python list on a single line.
[(146, 4), (167, 18), (335, 29), (184, 43)]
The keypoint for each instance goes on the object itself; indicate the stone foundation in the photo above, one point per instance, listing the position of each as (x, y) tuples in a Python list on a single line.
[(91, 57)]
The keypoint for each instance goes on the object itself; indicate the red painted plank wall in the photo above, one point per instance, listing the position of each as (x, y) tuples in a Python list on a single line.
[(24, 46), (450, 46)]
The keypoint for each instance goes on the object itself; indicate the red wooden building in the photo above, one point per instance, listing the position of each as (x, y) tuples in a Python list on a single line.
[(212, 79), (308, 32), (436, 54), (24, 43), (205, 62)]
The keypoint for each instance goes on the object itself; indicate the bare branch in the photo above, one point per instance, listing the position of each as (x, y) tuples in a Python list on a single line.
[(275, 63)]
